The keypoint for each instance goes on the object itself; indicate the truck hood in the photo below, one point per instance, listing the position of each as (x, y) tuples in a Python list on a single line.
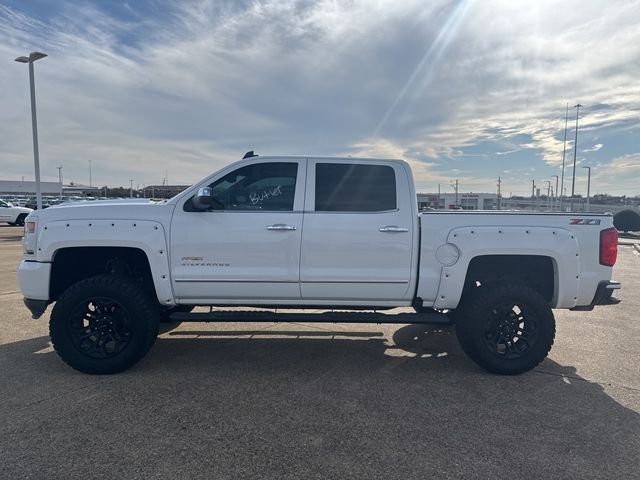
[(127, 209)]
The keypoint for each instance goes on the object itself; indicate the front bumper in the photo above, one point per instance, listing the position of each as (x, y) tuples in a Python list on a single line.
[(33, 278), (603, 296), (36, 307)]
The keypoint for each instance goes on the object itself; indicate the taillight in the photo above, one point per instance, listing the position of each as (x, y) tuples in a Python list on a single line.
[(608, 247)]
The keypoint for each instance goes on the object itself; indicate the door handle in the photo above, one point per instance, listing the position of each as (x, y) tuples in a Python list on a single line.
[(281, 227), (393, 229)]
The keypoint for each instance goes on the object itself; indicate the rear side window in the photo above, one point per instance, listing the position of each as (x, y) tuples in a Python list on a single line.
[(346, 187)]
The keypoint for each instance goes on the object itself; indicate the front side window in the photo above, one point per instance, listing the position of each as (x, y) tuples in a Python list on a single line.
[(261, 186), (344, 187), (3, 204)]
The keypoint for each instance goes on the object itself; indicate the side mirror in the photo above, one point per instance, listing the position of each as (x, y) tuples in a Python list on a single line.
[(203, 199)]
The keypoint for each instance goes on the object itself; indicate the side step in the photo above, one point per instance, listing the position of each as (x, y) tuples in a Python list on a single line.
[(326, 317)]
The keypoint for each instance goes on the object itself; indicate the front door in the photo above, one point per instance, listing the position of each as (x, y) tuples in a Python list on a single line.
[(247, 246), (5, 212)]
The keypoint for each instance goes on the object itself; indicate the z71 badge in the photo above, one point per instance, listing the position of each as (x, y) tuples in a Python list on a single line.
[(584, 221)]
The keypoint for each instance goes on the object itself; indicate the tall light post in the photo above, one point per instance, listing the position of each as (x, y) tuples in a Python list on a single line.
[(575, 153), (33, 56), (90, 182), (556, 191), (548, 193), (60, 179), (564, 151), (533, 194), (588, 186), (455, 186)]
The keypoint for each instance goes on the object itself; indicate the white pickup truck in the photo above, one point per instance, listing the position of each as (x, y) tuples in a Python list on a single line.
[(322, 233), (11, 214)]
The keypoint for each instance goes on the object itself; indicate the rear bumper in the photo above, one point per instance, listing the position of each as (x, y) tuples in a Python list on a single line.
[(603, 296)]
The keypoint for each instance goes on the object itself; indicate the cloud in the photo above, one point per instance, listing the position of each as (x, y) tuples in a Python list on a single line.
[(189, 86), (595, 148)]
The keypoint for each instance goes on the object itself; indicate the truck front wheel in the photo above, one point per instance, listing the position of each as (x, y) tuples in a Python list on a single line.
[(103, 324), (506, 329)]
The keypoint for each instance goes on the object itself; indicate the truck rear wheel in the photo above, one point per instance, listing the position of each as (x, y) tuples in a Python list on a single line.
[(506, 329), (103, 324)]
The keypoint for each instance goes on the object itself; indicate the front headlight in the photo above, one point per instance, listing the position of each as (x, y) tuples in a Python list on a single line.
[(30, 238)]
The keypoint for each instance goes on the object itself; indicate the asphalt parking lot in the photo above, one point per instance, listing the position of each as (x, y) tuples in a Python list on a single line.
[(248, 400)]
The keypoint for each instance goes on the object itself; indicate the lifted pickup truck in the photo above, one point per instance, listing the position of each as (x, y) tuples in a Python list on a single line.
[(328, 233)]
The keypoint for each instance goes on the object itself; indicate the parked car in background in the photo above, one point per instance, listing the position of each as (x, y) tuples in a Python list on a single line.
[(13, 215), (32, 203)]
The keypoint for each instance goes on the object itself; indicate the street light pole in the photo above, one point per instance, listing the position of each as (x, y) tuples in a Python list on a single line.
[(455, 186), (588, 187), (548, 193), (60, 179), (564, 151), (555, 196), (575, 153), (33, 56), (90, 182), (533, 194)]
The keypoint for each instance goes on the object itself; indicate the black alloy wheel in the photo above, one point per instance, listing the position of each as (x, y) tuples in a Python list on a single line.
[(511, 330), (104, 324), (505, 328), (100, 327)]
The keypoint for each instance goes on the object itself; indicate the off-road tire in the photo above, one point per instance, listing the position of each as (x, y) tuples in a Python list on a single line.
[(474, 327), (140, 311)]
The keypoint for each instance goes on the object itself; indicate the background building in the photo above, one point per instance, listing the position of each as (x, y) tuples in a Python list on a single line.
[(466, 201), (28, 187)]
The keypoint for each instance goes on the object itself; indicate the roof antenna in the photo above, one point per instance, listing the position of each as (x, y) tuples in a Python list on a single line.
[(249, 154)]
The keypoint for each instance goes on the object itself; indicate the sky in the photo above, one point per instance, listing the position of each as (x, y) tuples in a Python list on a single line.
[(467, 90)]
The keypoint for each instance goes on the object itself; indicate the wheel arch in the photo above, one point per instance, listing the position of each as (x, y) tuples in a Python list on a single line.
[(85, 246), (506, 253), (536, 271)]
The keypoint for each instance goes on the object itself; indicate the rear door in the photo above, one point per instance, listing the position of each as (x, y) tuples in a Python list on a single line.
[(358, 231)]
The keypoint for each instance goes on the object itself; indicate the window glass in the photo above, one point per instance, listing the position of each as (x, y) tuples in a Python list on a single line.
[(261, 186), (344, 187), (2, 204)]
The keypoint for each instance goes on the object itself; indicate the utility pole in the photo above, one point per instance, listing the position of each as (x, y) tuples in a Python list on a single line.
[(438, 206), (499, 184), (575, 153), (90, 181), (548, 193), (533, 194), (555, 193), (60, 179), (564, 151), (455, 186), (131, 189), (588, 187)]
